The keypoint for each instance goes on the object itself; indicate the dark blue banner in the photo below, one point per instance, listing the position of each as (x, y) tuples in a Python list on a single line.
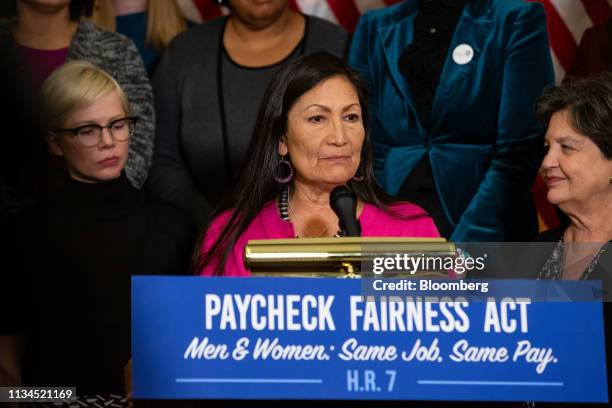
[(291, 338)]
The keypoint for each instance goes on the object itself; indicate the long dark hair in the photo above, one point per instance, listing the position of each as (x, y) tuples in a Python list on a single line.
[(256, 184)]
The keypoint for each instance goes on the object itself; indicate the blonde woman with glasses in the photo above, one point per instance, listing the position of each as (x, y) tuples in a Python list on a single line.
[(89, 238), (46, 34)]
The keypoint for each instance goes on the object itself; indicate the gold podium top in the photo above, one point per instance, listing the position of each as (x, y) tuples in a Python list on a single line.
[(335, 256)]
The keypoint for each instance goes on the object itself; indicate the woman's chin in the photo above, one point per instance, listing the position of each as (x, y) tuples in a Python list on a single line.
[(107, 175), (556, 197), (113, 172), (337, 176), (335, 183)]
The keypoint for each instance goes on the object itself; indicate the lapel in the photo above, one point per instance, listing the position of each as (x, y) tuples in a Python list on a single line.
[(471, 29), (394, 39)]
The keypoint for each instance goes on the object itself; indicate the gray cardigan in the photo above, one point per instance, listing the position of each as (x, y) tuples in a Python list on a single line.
[(117, 55), (188, 168)]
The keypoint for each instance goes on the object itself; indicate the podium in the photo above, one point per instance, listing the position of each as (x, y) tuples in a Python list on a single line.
[(297, 338)]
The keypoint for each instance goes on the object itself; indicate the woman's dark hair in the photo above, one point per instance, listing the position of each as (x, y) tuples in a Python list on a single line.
[(78, 9), (589, 104), (256, 184)]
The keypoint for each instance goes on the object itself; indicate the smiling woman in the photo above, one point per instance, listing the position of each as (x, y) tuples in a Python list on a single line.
[(578, 171), (310, 136), (575, 168)]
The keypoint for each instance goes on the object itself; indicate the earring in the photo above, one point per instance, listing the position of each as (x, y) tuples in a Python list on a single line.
[(279, 173)]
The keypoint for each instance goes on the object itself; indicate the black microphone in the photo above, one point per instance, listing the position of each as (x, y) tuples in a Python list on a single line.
[(344, 203)]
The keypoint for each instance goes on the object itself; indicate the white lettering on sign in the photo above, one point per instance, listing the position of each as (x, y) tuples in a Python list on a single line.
[(271, 312)]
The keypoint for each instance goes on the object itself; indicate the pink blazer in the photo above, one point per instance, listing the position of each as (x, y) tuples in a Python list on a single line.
[(269, 225)]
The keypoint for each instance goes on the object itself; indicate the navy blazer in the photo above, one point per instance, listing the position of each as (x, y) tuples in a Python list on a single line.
[(484, 144)]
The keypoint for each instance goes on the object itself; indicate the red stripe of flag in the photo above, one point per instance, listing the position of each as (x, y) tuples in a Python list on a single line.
[(561, 40), (598, 10), (391, 2), (346, 13)]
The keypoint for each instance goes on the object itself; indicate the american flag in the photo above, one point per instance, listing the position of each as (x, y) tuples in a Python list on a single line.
[(567, 20)]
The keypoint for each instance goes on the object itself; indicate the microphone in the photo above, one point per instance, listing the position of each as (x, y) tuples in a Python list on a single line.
[(344, 203)]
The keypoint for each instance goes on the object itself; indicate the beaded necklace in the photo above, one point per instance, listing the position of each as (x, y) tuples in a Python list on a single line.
[(284, 210)]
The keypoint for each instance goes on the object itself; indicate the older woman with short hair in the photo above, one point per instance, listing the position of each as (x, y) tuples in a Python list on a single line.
[(578, 171), (310, 136)]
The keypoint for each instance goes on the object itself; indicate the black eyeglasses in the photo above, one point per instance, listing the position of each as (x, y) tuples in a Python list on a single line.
[(90, 135)]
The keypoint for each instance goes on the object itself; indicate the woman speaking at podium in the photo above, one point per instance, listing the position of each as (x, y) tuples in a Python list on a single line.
[(310, 137)]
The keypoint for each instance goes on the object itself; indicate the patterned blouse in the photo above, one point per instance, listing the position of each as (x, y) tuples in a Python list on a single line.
[(553, 267)]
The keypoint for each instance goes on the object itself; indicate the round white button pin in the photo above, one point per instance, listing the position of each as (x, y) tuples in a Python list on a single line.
[(462, 54)]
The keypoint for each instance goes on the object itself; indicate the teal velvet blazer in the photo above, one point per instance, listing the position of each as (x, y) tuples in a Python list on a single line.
[(484, 143)]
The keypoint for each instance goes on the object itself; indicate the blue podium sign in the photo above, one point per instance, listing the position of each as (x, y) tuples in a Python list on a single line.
[(300, 338)]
